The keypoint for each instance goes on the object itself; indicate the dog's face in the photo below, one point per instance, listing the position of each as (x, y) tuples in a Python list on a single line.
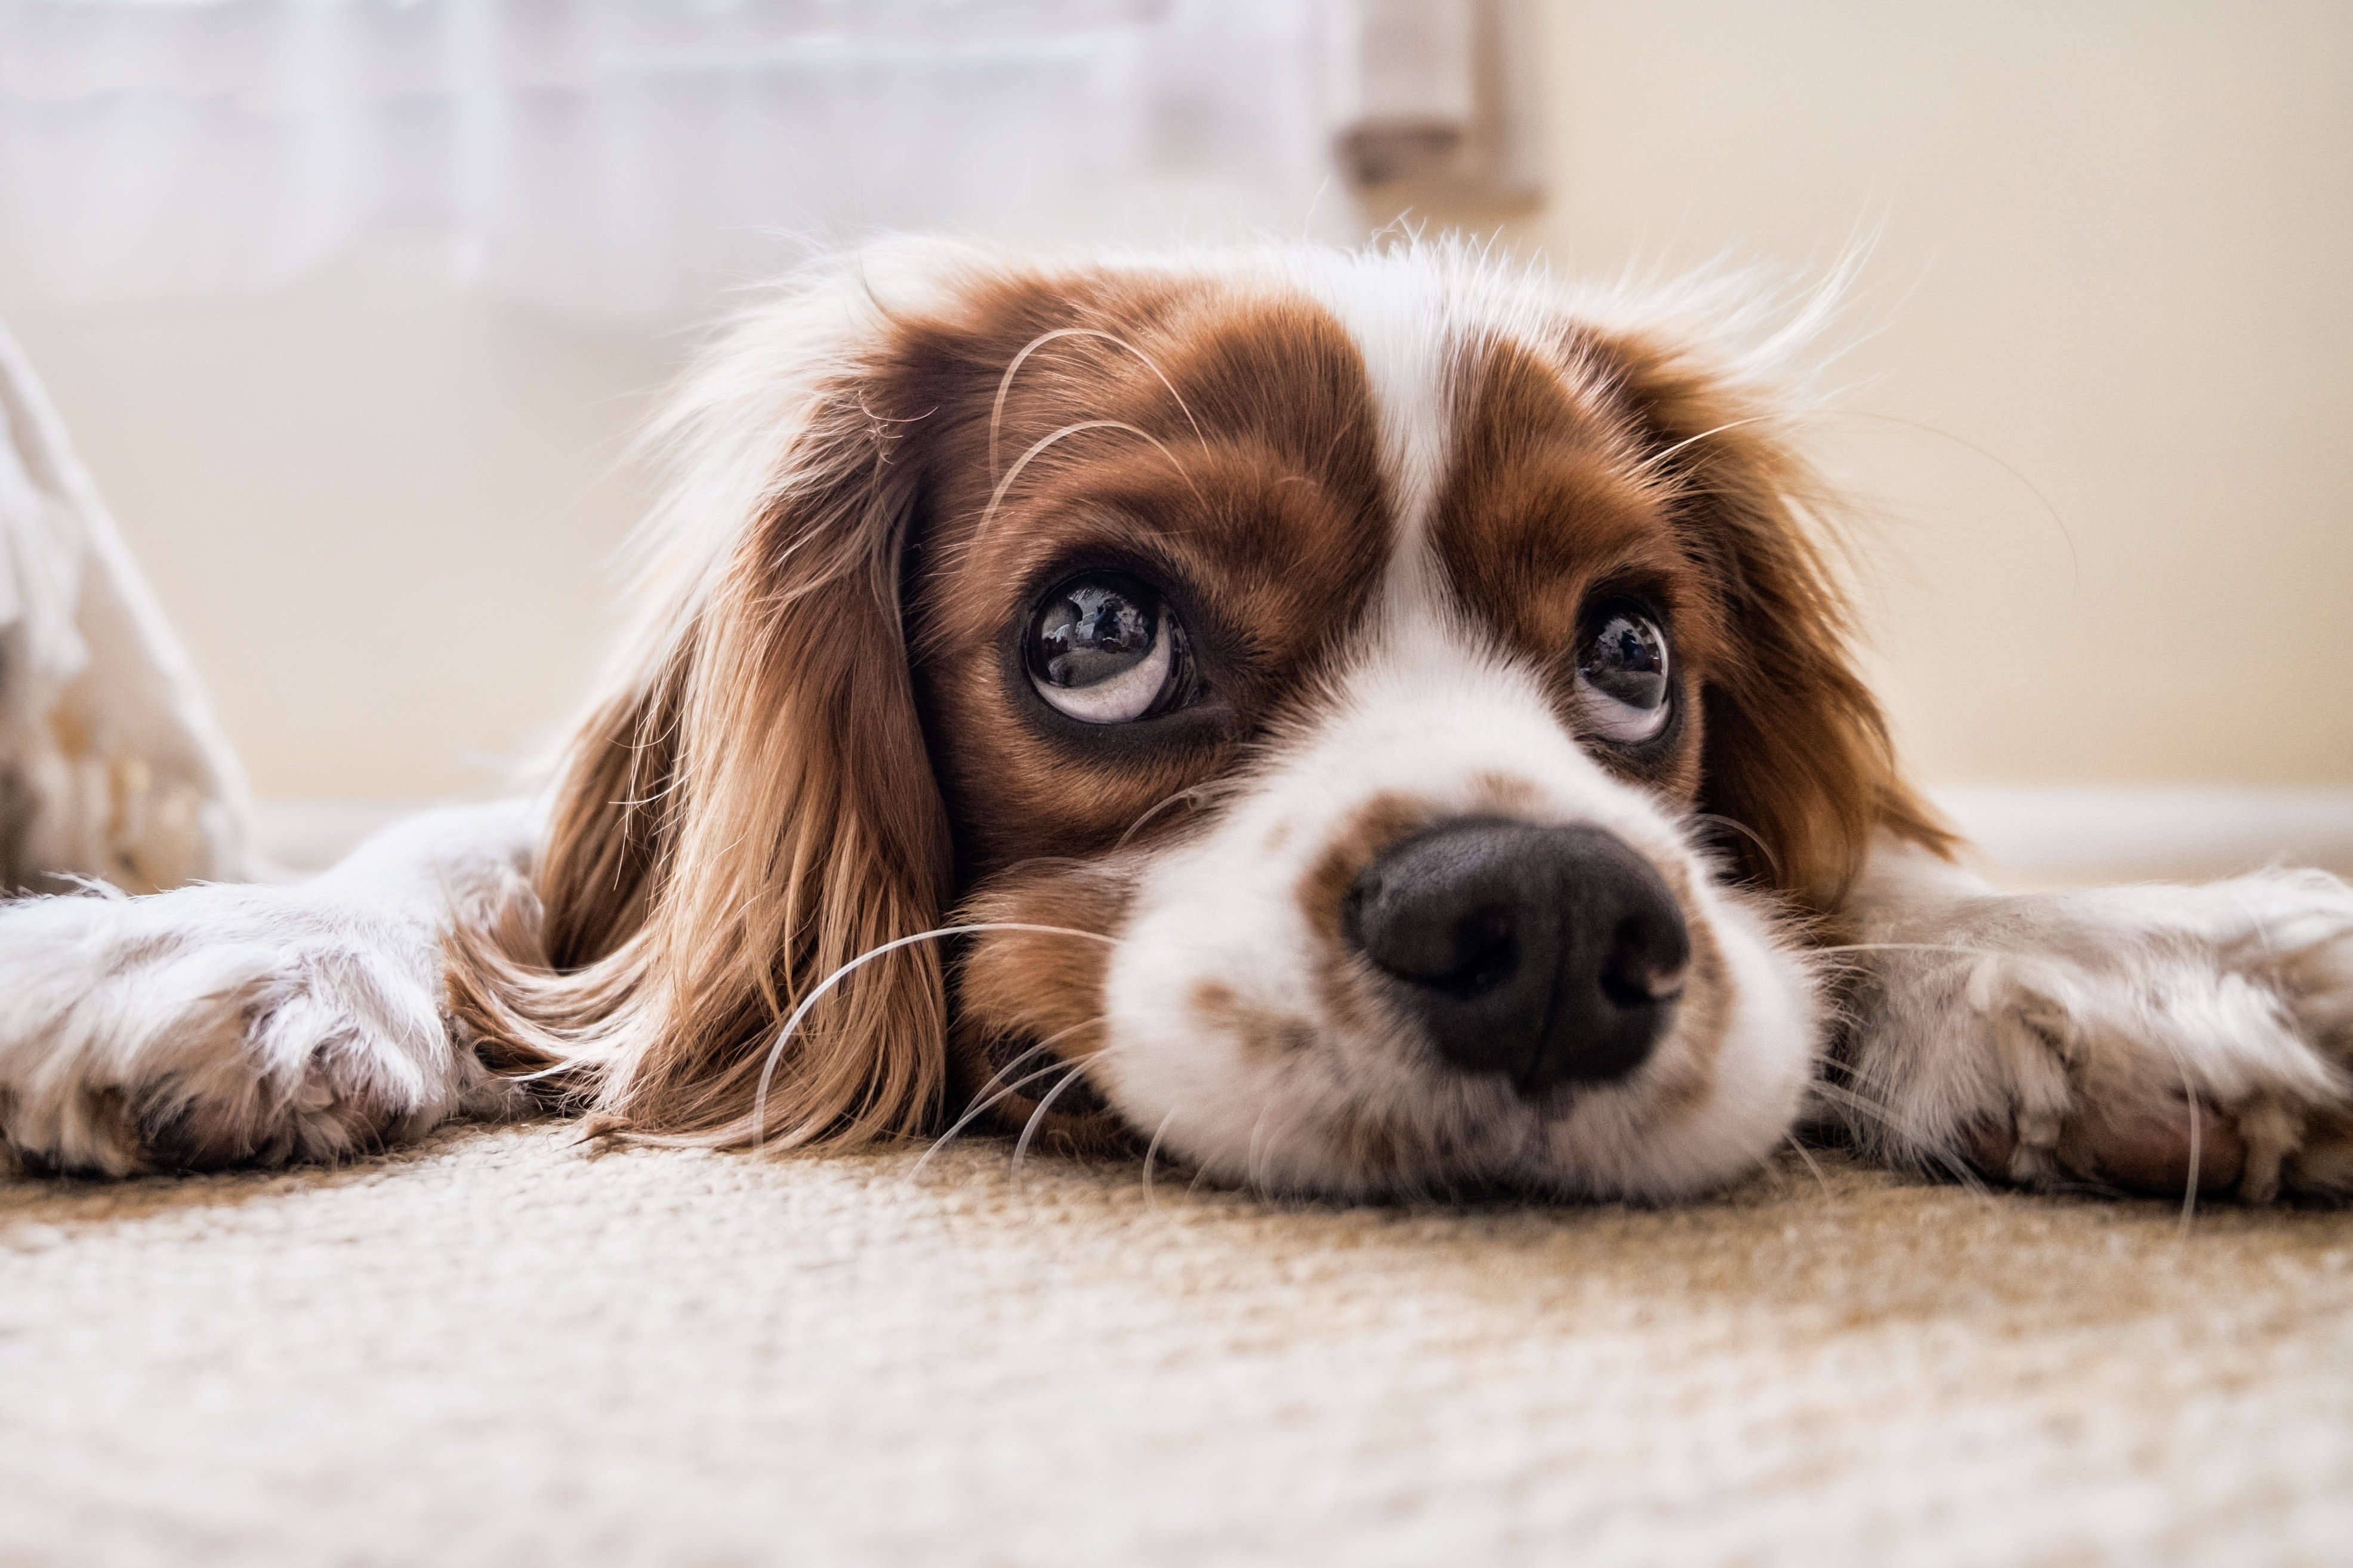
[(1338, 655), (1340, 693)]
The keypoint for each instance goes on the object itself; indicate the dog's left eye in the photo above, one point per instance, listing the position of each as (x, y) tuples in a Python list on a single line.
[(1106, 649), (1622, 671)]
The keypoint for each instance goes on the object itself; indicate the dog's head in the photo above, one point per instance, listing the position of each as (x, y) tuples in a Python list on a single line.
[(1370, 719)]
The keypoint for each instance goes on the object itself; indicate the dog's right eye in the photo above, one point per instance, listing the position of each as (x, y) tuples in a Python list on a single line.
[(1623, 672), (1106, 649)]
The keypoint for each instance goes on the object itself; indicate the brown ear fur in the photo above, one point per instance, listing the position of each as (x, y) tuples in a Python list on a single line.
[(1797, 751), (754, 809)]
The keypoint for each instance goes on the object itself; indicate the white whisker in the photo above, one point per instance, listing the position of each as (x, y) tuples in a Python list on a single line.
[(1660, 457), (1038, 1117), (816, 992), (1005, 381), (1182, 796), (997, 496), (983, 1101), (1798, 1145), (1250, 1153), (1903, 947), (1151, 1200), (2190, 1100), (1772, 860), (2049, 508)]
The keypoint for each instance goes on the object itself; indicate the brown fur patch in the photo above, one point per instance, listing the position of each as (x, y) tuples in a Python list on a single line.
[(1031, 991), (1265, 526), (1261, 1032)]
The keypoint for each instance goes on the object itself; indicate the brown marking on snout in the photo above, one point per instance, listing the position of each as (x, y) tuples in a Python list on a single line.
[(1323, 897), (1261, 1033), (1214, 998), (1372, 827), (1503, 795)]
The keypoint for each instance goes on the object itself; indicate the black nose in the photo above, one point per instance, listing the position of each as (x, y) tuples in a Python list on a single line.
[(1544, 953)]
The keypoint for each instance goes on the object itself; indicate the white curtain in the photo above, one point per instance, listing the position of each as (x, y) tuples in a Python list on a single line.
[(632, 159)]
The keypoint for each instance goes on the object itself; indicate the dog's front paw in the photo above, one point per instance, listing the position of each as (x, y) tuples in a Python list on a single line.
[(2127, 1037), (219, 1026)]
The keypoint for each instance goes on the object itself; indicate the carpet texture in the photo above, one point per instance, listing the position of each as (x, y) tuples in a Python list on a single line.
[(496, 1349)]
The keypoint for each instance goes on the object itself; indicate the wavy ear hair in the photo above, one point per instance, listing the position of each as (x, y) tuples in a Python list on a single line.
[(753, 808), (1796, 751)]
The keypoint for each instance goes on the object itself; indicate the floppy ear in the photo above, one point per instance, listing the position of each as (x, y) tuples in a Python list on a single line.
[(1796, 749), (753, 808)]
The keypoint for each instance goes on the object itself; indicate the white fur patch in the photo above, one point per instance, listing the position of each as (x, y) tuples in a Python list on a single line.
[(253, 1024), (2073, 1029)]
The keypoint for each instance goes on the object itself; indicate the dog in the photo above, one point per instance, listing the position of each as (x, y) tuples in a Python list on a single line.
[(1369, 725)]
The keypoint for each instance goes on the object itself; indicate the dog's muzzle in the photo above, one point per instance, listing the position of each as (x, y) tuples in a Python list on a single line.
[(1546, 954)]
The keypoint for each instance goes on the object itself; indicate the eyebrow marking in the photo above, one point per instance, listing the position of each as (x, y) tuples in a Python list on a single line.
[(1005, 381), (997, 496)]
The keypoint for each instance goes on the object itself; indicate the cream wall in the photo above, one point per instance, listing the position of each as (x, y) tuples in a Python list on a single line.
[(2110, 259), (380, 511), (2108, 253)]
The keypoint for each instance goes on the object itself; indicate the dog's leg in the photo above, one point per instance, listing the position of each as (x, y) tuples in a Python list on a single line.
[(232, 1024), (2121, 1037)]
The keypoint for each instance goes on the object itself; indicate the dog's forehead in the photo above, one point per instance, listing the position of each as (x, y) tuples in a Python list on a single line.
[(1499, 429), (1513, 476), (1369, 375), (1428, 336), (1409, 339)]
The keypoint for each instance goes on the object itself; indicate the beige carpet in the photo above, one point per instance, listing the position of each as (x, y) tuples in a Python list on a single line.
[(497, 1350)]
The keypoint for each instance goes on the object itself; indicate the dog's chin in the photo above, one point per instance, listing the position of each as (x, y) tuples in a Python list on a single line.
[(1375, 1117)]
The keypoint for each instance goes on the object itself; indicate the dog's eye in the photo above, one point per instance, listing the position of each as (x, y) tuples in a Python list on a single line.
[(1623, 672), (1106, 649)]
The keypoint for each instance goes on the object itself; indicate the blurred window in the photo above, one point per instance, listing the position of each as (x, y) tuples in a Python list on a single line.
[(631, 159)]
